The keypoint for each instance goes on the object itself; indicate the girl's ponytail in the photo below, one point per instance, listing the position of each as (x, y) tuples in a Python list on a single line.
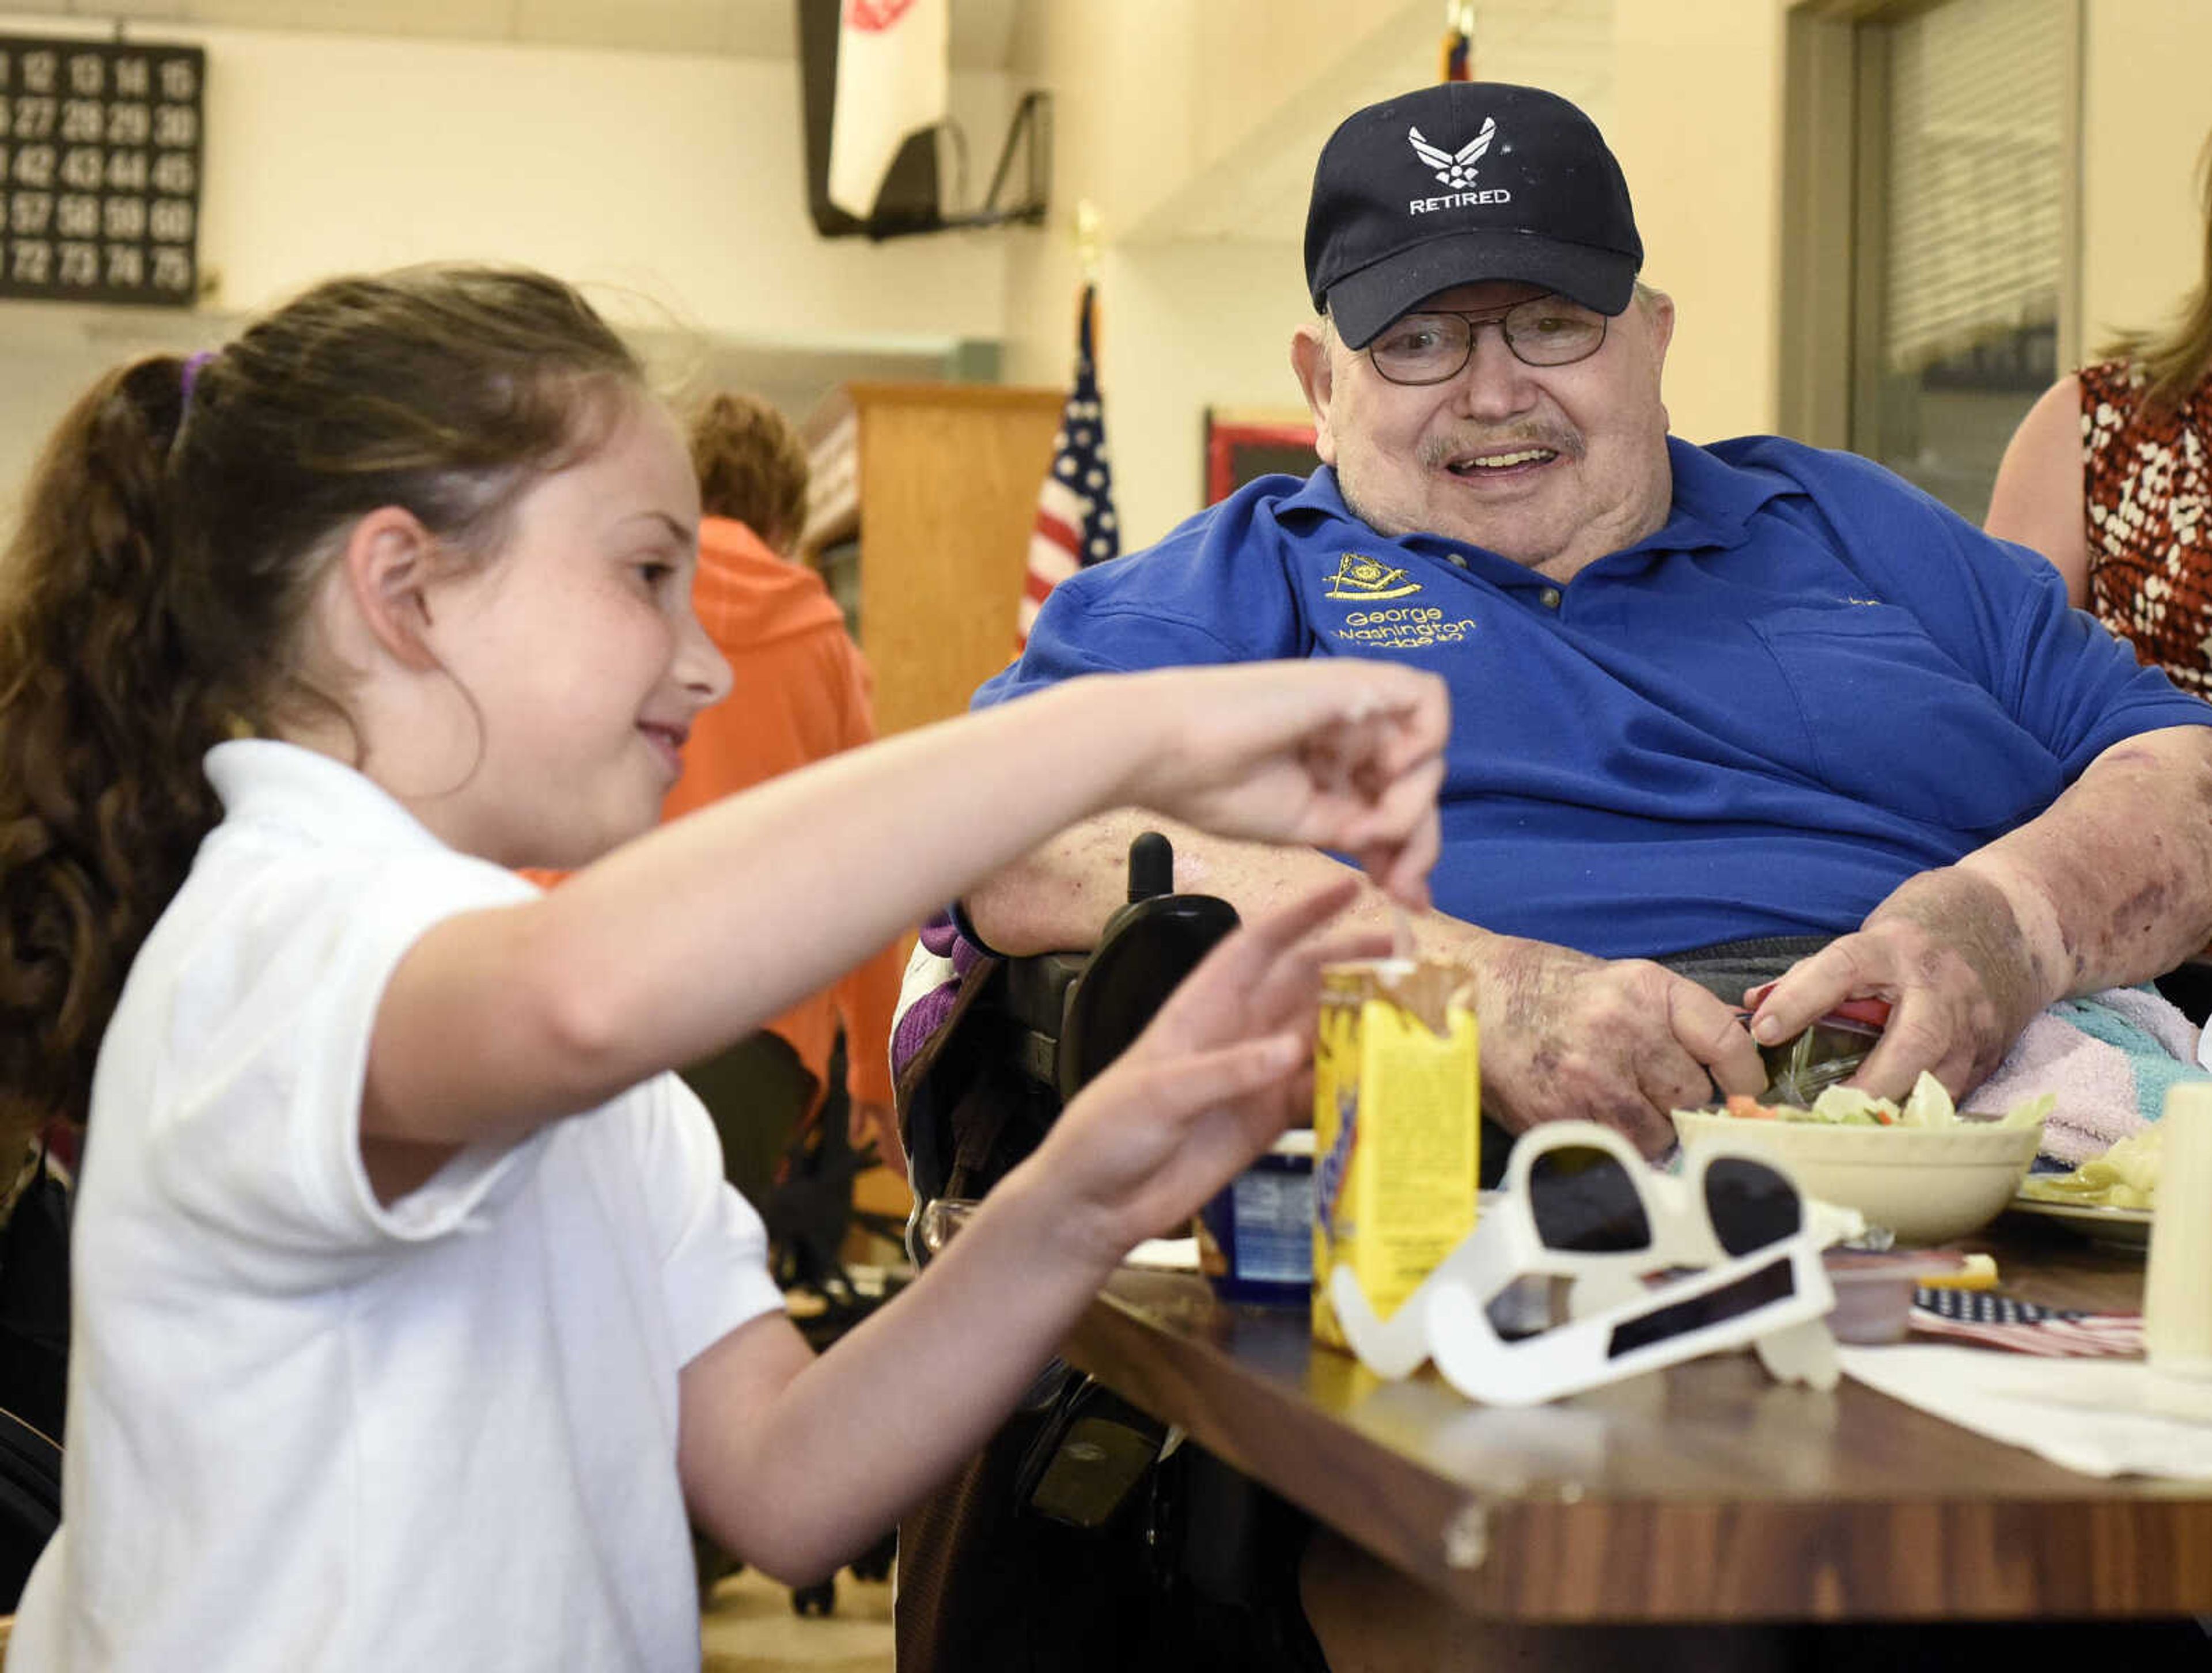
[(104, 719), (159, 595)]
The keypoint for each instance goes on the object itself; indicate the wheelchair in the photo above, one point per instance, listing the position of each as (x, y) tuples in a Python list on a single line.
[(1083, 1537)]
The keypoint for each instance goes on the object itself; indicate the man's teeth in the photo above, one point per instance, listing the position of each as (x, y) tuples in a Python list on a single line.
[(1505, 461)]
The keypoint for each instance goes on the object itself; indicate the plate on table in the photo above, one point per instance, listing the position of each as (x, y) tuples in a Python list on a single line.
[(2125, 1228)]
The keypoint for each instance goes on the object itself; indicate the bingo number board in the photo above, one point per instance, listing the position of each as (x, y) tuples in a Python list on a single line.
[(99, 170)]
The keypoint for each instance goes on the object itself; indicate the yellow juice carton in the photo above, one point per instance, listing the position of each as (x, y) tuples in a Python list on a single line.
[(1397, 1128)]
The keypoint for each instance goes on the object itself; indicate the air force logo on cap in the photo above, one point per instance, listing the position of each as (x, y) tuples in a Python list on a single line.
[(1550, 208), (1455, 168)]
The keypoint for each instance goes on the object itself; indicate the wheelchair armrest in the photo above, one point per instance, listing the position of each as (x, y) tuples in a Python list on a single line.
[(1036, 1000)]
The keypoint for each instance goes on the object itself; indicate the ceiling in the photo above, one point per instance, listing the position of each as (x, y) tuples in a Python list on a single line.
[(982, 30)]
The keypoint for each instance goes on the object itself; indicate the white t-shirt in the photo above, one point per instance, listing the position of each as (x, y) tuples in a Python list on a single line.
[(309, 1432)]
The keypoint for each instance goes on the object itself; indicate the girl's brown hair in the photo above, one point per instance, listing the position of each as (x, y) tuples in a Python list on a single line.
[(2175, 360), (153, 599)]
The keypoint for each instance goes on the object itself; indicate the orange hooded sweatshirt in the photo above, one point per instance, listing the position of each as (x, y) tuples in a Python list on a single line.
[(801, 692)]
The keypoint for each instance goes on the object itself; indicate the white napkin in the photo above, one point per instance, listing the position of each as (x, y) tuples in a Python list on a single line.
[(2099, 1416)]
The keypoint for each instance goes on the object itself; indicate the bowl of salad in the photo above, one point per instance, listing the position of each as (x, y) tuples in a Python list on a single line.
[(1922, 1169)]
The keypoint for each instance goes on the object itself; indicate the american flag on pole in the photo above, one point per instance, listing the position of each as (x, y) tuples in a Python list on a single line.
[(1075, 526)]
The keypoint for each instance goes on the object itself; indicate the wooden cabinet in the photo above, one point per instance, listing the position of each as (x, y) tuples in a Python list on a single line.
[(938, 483)]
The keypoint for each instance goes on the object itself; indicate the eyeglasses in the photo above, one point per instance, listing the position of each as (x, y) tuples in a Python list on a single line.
[(1579, 1203), (1430, 347)]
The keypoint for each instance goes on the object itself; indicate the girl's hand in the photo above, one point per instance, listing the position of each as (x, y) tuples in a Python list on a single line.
[(1223, 1069), (1344, 754)]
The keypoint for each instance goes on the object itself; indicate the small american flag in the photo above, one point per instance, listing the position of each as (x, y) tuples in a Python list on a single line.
[(2022, 1327), (1075, 526)]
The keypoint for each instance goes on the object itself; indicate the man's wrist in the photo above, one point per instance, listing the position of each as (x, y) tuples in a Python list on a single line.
[(2036, 918), (1440, 938)]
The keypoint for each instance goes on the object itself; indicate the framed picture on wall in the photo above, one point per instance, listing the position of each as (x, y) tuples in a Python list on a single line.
[(1243, 446)]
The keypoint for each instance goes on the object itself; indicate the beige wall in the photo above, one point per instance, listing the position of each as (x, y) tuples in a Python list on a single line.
[(1149, 96), (678, 178), (1698, 95), (1697, 91), (2145, 113), (1191, 326), (672, 186)]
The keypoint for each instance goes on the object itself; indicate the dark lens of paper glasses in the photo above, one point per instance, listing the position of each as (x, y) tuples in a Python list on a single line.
[(1775, 1281), (1750, 1204), (1584, 1202)]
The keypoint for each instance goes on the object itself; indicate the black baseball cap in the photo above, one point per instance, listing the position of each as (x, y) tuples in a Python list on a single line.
[(1462, 182)]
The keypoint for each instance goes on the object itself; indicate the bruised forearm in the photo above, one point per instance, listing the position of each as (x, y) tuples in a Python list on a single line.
[(2113, 883), (1055, 898), (1058, 897), (1563, 1033)]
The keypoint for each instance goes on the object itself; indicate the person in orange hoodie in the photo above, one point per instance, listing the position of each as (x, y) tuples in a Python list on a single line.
[(802, 692)]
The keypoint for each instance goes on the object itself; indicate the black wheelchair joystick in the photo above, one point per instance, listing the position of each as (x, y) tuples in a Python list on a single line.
[(1147, 947), (1152, 866)]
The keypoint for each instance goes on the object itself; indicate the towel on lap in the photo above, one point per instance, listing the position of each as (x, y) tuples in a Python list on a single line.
[(2109, 1058)]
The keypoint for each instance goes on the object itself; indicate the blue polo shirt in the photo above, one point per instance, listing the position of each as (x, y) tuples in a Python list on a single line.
[(1813, 682)]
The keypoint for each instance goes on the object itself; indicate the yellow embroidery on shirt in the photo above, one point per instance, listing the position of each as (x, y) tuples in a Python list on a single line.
[(1368, 578)]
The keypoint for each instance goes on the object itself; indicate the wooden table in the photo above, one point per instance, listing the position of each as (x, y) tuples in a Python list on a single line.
[(1707, 1492)]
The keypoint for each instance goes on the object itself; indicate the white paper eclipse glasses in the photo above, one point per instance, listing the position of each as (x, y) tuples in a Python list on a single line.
[(1740, 1243)]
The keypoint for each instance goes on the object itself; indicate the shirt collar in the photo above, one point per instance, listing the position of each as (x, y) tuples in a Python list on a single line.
[(268, 783), (1713, 504), (1714, 500)]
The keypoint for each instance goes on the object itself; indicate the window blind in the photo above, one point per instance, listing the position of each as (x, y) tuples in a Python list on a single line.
[(1973, 198)]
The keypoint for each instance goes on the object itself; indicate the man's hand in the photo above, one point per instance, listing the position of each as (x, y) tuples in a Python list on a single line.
[(1947, 952), (1566, 1035)]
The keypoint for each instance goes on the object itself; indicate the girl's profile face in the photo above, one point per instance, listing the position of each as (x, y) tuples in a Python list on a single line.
[(580, 655)]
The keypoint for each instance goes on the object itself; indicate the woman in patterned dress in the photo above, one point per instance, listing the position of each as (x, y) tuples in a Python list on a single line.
[(2109, 476)]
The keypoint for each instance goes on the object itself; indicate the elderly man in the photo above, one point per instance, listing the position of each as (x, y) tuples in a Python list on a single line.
[(1748, 697)]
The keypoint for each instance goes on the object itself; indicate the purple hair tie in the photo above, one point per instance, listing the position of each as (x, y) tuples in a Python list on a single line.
[(192, 371)]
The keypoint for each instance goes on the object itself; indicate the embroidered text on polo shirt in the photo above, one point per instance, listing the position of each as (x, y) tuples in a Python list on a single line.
[(1403, 627)]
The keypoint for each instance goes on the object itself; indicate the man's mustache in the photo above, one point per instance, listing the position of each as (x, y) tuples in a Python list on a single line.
[(1438, 451)]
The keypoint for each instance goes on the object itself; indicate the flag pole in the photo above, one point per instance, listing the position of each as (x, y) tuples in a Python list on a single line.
[(1088, 222), (1457, 58), (1088, 239)]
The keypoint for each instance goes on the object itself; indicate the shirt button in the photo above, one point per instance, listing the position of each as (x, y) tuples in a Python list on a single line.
[(1549, 599)]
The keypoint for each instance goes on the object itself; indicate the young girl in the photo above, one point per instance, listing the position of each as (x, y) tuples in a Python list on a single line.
[(412, 1316)]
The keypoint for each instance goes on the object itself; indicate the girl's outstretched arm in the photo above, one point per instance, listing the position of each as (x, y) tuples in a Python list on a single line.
[(795, 1462), (689, 937)]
